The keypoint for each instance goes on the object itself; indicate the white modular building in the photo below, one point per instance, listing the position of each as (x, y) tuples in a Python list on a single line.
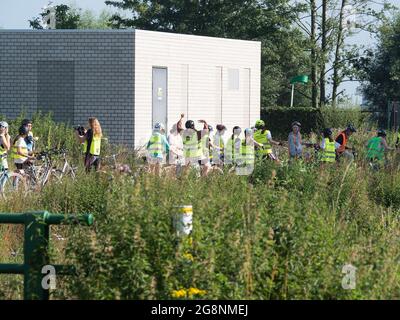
[(130, 79)]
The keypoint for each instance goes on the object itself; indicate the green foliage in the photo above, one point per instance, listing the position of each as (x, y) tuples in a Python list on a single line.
[(380, 69), (50, 133), (310, 119), (66, 18), (70, 17), (283, 233)]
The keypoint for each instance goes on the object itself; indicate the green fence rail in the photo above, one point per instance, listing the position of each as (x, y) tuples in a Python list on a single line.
[(36, 243)]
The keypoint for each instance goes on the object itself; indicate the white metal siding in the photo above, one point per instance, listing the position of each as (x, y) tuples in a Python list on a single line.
[(196, 66)]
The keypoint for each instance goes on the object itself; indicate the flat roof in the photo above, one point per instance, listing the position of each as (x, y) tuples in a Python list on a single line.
[(173, 34)]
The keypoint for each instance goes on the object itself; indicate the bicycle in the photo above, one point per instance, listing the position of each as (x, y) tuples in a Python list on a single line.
[(10, 182), (67, 169)]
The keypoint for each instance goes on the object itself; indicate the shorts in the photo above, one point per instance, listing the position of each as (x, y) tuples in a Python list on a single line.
[(204, 162), (194, 160), (22, 166), (152, 160)]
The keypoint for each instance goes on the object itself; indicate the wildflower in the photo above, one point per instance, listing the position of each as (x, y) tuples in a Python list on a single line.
[(194, 291), (178, 293), (188, 256)]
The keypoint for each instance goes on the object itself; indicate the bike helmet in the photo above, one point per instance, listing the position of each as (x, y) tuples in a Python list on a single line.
[(296, 123), (3, 124), (260, 124), (248, 131), (158, 126), (189, 124), (381, 133), (351, 128), (327, 132), (25, 122), (23, 130)]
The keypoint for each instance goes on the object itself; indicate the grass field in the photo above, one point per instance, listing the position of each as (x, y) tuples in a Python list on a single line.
[(285, 232)]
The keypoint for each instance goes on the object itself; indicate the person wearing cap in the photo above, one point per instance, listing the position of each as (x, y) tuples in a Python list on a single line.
[(157, 148), (19, 150), (264, 137), (219, 142), (5, 144), (175, 141), (376, 148), (341, 139), (294, 141), (328, 147)]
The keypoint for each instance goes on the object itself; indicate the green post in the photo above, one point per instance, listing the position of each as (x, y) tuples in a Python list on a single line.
[(35, 256), (36, 242)]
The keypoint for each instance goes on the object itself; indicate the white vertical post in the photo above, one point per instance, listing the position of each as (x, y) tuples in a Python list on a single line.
[(291, 100)]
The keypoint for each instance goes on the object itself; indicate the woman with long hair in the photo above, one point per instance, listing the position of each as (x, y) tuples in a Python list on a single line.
[(91, 144)]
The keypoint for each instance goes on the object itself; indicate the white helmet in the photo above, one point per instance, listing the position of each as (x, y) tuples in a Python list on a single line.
[(3, 124), (159, 126)]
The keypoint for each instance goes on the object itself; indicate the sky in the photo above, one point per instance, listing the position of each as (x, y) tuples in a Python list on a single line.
[(14, 14)]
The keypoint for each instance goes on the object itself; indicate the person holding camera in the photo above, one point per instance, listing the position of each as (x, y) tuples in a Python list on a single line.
[(91, 141)]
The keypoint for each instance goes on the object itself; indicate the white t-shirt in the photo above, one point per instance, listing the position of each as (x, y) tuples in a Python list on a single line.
[(22, 144), (175, 148)]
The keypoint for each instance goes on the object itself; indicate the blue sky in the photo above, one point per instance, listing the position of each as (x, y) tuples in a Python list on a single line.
[(14, 14)]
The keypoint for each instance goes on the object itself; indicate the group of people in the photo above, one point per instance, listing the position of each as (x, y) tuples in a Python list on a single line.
[(21, 148), (203, 149)]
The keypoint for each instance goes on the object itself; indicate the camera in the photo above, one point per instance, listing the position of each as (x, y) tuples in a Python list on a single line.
[(80, 129)]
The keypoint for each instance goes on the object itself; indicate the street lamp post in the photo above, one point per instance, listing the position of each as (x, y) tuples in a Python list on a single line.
[(298, 79)]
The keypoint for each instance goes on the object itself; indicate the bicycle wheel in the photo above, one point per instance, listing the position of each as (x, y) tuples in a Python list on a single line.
[(12, 182)]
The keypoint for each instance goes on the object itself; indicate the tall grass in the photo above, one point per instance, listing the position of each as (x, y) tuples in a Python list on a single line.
[(284, 233)]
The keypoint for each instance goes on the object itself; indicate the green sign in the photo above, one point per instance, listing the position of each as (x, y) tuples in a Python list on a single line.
[(299, 79)]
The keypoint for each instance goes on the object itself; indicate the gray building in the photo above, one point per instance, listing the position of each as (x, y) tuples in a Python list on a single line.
[(129, 79)]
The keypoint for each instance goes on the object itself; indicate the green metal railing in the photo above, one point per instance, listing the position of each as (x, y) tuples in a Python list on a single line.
[(36, 243)]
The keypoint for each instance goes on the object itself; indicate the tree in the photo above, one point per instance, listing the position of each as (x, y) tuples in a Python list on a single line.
[(68, 17), (328, 25), (380, 68), (268, 21)]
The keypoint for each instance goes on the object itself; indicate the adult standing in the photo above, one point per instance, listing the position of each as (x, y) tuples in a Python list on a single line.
[(175, 141), (295, 142), (5, 144), (91, 140)]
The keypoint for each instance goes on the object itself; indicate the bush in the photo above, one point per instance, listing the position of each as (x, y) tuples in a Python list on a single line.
[(279, 119)]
